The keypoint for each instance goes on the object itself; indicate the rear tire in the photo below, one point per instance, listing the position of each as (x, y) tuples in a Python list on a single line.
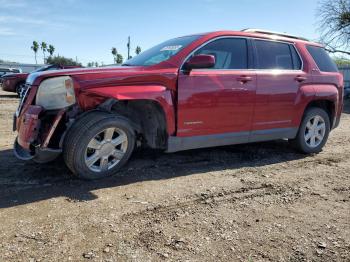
[(313, 131), (98, 145)]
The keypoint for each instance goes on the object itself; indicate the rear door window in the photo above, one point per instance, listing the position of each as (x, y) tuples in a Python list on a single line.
[(322, 59), (276, 55)]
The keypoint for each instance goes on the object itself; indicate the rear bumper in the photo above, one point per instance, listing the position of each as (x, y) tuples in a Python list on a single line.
[(337, 116), (336, 122)]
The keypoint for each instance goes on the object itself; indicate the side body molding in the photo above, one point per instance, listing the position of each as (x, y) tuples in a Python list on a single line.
[(157, 93), (186, 143)]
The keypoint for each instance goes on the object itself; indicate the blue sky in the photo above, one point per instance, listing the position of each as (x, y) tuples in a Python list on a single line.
[(88, 29)]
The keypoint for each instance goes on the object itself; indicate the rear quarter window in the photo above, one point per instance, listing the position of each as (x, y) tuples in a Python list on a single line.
[(322, 59)]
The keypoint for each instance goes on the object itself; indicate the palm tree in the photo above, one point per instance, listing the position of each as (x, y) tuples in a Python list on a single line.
[(51, 50), (119, 59), (138, 50), (114, 53), (35, 48), (43, 47)]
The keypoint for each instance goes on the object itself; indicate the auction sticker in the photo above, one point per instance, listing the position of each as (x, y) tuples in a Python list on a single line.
[(171, 48)]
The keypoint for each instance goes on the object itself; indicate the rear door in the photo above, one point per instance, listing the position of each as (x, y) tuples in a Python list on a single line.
[(219, 99), (279, 77)]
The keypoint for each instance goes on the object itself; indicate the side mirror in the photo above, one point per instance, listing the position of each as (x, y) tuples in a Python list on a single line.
[(200, 61)]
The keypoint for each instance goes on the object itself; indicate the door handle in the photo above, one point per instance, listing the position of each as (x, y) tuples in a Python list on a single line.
[(300, 78), (244, 79)]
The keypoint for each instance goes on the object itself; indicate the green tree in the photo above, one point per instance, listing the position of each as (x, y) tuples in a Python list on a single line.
[(43, 47), (119, 59), (35, 48), (334, 25), (96, 64), (114, 53), (341, 61), (61, 60), (138, 50), (51, 50)]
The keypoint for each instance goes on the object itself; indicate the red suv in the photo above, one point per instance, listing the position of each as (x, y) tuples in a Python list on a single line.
[(195, 91)]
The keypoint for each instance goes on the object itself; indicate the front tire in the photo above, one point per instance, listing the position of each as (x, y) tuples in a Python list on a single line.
[(98, 145), (313, 131)]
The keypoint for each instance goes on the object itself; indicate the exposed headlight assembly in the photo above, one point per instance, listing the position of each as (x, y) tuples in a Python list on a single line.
[(56, 93)]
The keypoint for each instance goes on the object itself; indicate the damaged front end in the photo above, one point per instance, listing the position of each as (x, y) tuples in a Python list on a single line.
[(41, 121)]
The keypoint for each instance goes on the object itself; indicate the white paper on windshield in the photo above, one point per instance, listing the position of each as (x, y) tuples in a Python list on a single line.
[(171, 48)]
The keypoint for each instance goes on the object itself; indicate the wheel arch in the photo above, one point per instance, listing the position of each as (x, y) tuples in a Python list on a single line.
[(321, 96), (326, 104), (150, 109)]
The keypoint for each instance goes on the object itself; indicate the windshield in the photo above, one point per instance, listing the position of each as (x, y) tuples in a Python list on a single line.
[(161, 52)]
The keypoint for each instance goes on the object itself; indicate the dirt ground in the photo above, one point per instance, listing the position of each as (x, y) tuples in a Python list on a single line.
[(257, 202)]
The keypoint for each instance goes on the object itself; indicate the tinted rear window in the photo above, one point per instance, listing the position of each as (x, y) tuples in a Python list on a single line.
[(322, 59), (276, 55)]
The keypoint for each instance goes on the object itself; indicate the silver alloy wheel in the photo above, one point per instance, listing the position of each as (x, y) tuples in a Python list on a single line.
[(106, 149), (315, 131)]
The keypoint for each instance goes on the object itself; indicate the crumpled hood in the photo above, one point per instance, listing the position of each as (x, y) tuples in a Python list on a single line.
[(87, 78), (80, 73)]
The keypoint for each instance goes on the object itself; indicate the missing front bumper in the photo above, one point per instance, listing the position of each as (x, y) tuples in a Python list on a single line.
[(39, 155), (21, 153)]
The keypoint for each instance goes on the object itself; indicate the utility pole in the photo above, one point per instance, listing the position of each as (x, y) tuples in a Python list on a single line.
[(128, 45)]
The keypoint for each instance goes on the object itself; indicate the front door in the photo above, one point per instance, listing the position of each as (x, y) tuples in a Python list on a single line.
[(220, 99)]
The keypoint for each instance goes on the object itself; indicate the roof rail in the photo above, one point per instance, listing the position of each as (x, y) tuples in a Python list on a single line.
[(262, 31)]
